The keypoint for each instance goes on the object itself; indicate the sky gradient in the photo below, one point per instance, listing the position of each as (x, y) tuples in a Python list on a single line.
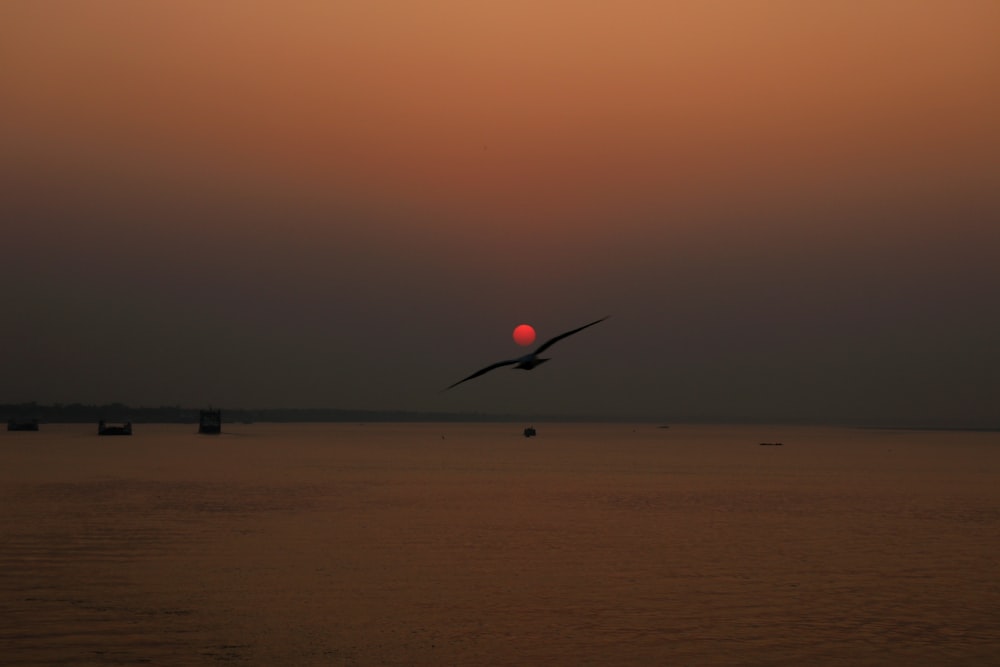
[(791, 210)]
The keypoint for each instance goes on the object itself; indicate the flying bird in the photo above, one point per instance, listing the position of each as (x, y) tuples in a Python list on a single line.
[(528, 361)]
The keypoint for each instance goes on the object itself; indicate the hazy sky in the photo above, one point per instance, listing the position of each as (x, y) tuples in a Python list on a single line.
[(790, 209)]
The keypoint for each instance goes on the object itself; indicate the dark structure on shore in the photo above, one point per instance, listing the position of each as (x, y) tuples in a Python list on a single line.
[(210, 422)]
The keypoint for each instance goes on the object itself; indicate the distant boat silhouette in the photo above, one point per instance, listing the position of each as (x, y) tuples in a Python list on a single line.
[(114, 429), (530, 432), (528, 361), (22, 425), (210, 422)]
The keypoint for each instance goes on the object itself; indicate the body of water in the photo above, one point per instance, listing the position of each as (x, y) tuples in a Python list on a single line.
[(468, 544)]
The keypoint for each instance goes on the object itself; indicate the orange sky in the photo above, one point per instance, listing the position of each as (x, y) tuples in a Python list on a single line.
[(554, 134), (521, 105)]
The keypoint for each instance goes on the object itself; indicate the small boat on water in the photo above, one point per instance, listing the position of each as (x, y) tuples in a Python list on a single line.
[(210, 422), (103, 428), (22, 425), (530, 432), (771, 444)]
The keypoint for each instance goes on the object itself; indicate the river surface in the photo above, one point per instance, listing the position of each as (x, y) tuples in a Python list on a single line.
[(468, 544)]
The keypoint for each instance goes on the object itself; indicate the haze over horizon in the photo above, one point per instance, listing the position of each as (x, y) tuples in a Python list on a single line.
[(790, 210)]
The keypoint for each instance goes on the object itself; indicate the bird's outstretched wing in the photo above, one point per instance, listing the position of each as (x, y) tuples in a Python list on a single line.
[(552, 341), (481, 371)]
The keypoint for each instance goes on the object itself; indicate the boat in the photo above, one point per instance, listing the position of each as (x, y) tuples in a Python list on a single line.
[(770, 444), (22, 425), (210, 422), (103, 428), (530, 432)]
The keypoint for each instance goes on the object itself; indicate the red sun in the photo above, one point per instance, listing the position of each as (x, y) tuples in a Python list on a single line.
[(524, 334)]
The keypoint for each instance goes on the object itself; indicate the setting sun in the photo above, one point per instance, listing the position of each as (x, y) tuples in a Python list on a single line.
[(524, 334)]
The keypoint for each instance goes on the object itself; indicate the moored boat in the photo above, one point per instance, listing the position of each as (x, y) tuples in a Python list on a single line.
[(210, 422), (22, 425)]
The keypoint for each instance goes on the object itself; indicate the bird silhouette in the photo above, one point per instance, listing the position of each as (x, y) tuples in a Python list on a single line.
[(528, 361)]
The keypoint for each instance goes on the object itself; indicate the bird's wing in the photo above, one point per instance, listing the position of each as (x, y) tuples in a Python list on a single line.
[(481, 371), (552, 341)]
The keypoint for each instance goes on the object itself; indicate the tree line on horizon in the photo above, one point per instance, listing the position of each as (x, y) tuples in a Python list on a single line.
[(75, 413)]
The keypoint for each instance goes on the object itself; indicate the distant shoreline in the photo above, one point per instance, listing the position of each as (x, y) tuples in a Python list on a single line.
[(75, 413), (82, 413)]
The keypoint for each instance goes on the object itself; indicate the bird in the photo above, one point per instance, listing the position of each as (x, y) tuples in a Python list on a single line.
[(528, 361)]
